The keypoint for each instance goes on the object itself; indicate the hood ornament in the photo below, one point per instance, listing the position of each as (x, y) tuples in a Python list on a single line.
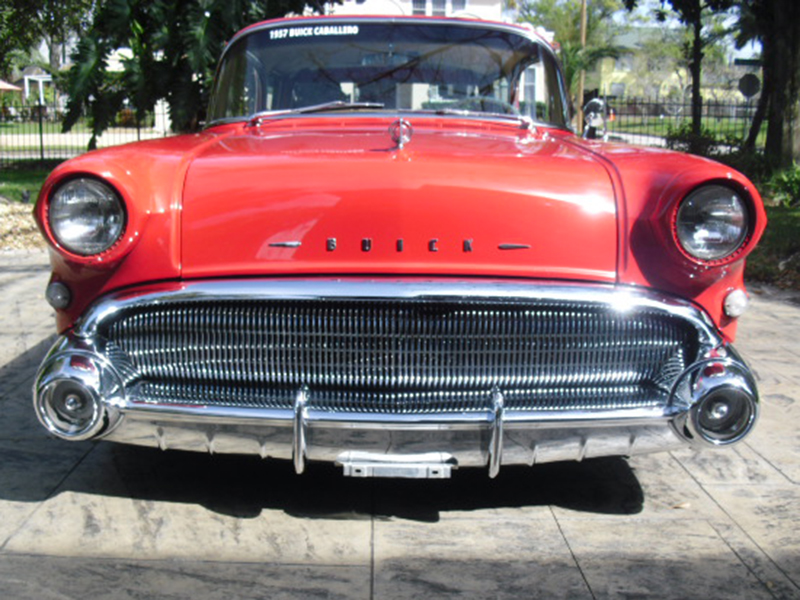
[(401, 132)]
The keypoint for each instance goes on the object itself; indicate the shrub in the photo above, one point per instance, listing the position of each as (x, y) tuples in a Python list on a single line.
[(754, 164), (785, 186), (682, 139)]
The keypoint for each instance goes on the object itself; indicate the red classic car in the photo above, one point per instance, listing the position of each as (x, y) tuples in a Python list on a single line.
[(388, 250)]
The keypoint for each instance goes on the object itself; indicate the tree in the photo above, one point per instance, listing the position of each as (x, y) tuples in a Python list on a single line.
[(173, 46), (26, 23), (660, 58), (562, 17), (56, 22), (694, 14), (776, 24), (16, 32)]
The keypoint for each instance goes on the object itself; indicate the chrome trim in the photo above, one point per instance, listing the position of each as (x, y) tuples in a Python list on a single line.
[(94, 374), (299, 450), (426, 354), (312, 418), (392, 443), (693, 387), (496, 441), (401, 132), (463, 446), (356, 288)]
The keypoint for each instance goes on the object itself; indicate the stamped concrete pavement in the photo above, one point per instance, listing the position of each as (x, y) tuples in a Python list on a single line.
[(99, 520)]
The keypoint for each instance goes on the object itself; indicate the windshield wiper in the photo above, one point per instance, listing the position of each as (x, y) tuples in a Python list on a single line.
[(314, 108), (525, 122)]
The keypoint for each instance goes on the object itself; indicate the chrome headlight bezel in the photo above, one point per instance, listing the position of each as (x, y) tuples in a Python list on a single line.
[(713, 223), (86, 216)]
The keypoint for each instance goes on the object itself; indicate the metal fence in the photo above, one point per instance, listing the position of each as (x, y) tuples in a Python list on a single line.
[(650, 122), (33, 133)]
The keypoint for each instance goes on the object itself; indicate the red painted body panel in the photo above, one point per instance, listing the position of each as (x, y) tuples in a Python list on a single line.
[(654, 181), (306, 181), (150, 177), (210, 205)]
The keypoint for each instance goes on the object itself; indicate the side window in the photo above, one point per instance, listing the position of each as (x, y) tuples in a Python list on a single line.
[(241, 88), (541, 91)]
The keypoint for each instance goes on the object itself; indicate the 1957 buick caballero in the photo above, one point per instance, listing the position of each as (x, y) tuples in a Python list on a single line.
[(388, 250)]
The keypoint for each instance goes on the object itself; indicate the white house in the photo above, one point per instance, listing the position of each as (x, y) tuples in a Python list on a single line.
[(491, 10)]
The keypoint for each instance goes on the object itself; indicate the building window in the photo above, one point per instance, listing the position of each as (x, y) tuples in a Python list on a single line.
[(618, 90), (624, 63), (438, 8)]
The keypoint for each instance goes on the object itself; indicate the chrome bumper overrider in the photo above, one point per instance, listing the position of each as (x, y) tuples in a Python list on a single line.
[(81, 392)]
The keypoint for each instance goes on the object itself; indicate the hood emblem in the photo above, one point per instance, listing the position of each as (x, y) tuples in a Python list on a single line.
[(401, 132)]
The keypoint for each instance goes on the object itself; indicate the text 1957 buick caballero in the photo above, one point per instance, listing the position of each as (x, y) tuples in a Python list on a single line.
[(388, 250)]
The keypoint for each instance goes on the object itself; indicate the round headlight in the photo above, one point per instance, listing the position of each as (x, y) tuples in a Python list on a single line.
[(86, 216), (712, 222)]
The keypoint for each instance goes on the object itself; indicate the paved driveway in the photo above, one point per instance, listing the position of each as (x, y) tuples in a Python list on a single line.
[(97, 520)]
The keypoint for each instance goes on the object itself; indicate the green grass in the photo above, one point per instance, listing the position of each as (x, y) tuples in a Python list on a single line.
[(14, 183), (661, 127), (776, 260), (641, 125), (32, 127)]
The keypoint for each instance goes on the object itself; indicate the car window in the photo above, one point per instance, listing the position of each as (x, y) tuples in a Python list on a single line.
[(401, 65)]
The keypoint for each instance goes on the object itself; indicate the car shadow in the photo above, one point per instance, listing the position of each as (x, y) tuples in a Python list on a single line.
[(243, 486), (36, 467)]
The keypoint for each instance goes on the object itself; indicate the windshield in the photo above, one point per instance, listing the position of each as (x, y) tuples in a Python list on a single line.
[(401, 65)]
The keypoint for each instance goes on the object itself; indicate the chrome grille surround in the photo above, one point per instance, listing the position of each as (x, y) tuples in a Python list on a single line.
[(417, 354), (510, 373)]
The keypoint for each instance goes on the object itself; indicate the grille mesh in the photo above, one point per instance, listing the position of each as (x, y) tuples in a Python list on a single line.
[(401, 356)]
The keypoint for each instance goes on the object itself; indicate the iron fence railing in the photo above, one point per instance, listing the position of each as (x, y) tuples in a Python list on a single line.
[(33, 133), (650, 122)]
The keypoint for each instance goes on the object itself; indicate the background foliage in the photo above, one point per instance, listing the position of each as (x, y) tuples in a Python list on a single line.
[(695, 15), (776, 25), (562, 17), (174, 47), (25, 23)]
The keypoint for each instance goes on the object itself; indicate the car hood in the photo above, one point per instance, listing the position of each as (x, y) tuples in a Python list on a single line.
[(331, 196)]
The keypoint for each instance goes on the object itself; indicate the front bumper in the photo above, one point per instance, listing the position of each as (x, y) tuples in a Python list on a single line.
[(85, 390)]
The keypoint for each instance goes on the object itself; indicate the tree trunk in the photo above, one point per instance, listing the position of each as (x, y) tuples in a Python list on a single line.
[(767, 92), (795, 138), (779, 21), (758, 118), (779, 74), (695, 69)]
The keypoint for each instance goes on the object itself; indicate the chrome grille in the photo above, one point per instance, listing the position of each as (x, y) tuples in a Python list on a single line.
[(401, 356)]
